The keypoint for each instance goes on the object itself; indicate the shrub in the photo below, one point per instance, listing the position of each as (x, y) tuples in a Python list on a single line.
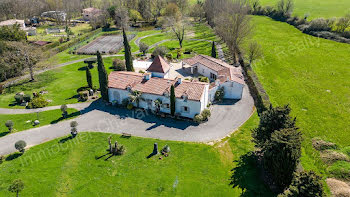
[(38, 102), (321, 145), (119, 65), (306, 184), (169, 56), (198, 118), (206, 114), (160, 50), (83, 96), (1, 88), (130, 106), (27, 98), (19, 99), (166, 149), (329, 156), (204, 79), (318, 24), (121, 150), (9, 125), (20, 146), (346, 150), (219, 94)]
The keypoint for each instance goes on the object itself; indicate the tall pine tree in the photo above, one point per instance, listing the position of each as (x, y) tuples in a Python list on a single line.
[(103, 77), (172, 100), (213, 50), (128, 55), (88, 77)]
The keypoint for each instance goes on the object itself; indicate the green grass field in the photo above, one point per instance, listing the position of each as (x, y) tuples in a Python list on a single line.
[(23, 122), (79, 167), (310, 74), (316, 8), (61, 84)]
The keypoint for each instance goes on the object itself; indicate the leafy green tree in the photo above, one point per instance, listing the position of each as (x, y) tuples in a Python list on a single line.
[(128, 55), (89, 77), (281, 155), (20, 146), (172, 100), (213, 50), (16, 187), (306, 184), (12, 33), (143, 48), (135, 15), (103, 77), (272, 120)]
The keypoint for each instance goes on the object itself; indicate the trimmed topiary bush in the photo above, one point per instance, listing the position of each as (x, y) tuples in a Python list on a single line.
[(20, 146), (9, 125)]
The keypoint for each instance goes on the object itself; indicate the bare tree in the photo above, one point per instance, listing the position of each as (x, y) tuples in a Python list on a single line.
[(232, 24), (254, 51)]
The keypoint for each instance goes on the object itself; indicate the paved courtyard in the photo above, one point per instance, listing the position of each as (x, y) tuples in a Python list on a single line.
[(226, 118)]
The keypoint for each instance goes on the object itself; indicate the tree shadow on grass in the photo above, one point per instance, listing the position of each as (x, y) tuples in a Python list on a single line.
[(69, 116), (4, 133), (246, 176), (64, 140), (13, 156)]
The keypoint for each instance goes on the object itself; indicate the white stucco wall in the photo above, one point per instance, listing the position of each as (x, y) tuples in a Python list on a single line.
[(205, 71), (195, 107), (233, 90), (161, 75)]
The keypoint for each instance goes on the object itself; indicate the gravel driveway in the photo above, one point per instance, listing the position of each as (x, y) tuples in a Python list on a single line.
[(226, 118)]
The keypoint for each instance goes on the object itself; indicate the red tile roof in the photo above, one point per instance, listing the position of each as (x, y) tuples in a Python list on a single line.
[(159, 65), (223, 69), (157, 86)]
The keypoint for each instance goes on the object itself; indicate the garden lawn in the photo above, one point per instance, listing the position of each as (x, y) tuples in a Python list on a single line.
[(310, 74), (316, 8), (61, 83), (78, 167), (43, 36), (23, 122)]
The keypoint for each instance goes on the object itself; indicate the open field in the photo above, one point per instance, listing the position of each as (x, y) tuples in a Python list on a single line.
[(79, 166), (316, 8), (23, 122), (310, 74)]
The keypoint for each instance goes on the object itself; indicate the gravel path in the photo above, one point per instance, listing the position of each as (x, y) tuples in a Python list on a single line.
[(225, 119), (77, 106)]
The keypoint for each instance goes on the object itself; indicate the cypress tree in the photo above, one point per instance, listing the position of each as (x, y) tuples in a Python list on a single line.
[(103, 77), (88, 77), (128, 55), (213, 50), (172, 100), (281, 155)]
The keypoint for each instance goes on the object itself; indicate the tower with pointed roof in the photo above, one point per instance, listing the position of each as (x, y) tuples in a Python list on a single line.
[(159, 68)]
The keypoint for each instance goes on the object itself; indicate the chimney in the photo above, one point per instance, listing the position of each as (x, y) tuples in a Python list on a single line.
[(179, 80), (147, 76)]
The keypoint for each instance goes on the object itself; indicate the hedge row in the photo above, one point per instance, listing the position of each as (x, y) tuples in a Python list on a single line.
[(261, 99)]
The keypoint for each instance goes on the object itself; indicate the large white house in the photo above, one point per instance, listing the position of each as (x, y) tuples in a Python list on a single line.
[(192, 97), (221, 74)]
